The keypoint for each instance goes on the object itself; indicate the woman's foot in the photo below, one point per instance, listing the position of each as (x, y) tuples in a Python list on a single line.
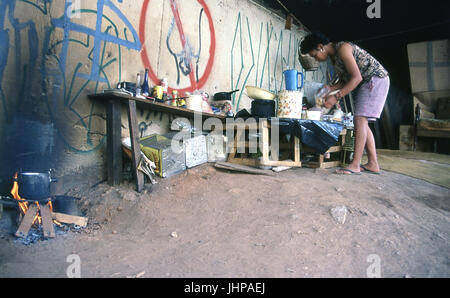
[(351, 169), (370, 168)]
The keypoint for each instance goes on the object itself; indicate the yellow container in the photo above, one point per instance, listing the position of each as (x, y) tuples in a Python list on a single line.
[(158, 92)]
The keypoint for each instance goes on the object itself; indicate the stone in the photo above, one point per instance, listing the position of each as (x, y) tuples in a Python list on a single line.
[(339, 213)]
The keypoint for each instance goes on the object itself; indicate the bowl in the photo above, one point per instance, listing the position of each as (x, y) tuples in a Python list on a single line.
[(259, 93)]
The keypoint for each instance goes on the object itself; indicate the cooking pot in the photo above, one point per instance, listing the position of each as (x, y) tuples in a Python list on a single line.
[(224, 95), (35, 186), (67, 205), (263, 108)]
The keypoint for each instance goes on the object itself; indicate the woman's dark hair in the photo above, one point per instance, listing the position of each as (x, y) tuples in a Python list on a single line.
[(312, 40)]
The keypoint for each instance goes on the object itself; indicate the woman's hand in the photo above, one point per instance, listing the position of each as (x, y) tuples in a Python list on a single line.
[(330, 101)]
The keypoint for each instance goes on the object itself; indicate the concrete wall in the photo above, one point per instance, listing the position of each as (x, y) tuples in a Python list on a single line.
[(53, 53)]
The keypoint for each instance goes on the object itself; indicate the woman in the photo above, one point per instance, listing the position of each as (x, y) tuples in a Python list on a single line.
[(356, 69)]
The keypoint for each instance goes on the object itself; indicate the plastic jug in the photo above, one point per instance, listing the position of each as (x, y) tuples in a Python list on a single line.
[(291, 78)]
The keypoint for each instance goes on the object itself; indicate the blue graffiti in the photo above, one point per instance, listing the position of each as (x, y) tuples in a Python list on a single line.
[(98, 35), (63, 85), (23, 76)]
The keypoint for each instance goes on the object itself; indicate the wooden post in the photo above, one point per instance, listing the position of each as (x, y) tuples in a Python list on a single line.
[(135, 144), (114, 143)]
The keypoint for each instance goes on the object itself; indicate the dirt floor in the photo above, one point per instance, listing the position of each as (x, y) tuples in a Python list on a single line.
[(215, 223)]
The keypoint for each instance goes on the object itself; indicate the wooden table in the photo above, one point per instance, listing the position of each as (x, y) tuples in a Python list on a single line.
[(263, 128), (114, 101)]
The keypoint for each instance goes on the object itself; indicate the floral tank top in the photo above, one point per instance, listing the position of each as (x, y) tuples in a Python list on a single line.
[(368, 65)]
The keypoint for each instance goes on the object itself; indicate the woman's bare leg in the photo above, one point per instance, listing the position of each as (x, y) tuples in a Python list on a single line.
[(361, 135), (372, 164)]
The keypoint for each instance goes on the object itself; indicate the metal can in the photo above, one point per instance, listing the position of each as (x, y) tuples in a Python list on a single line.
[(158, 92)]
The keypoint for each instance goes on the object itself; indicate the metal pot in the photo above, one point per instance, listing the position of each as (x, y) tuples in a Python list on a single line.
[(224, 95), (35, 186), (66, 205)]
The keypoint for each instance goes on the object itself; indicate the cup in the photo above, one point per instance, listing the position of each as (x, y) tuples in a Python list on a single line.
[(291, 79)]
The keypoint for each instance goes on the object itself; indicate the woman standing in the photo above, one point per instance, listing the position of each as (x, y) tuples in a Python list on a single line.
[(356, 69)]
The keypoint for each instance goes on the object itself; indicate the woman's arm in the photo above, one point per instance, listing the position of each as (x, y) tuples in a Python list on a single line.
[(346, 54)]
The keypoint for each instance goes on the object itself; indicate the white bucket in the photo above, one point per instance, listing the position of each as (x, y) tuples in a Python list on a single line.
[(194, 102), (313, 115)]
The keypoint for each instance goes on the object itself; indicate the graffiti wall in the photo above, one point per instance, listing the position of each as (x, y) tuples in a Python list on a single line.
[(53, 53)]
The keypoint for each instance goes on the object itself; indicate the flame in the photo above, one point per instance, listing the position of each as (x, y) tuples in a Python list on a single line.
[(23, 204)]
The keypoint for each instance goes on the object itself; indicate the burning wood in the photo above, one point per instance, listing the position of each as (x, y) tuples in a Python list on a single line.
[(41, 215)]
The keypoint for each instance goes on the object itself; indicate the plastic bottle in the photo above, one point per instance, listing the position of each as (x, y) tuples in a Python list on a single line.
[(304, 112), (145, 88), (138, 84), (320, 95)]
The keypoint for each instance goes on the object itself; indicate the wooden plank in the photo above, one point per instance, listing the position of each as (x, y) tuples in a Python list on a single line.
[(433, 133), (149, 104), (27, 221), (335, 149), (265, 140), (243, 168), (70, 219), (330, 164), (297, 150), (282, 163), (47, 221), (114, 143), (245, 161), (135, 145)]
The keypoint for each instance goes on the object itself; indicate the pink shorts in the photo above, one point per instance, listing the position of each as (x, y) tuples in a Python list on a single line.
[(371, 97)]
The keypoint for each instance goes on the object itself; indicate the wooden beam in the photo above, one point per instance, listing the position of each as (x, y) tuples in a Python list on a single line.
[(135, 144), (114, 143), (243, 168)]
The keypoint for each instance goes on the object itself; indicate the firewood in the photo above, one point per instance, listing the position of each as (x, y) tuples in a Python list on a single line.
[(27, 221), (70, 219), (47, 223)]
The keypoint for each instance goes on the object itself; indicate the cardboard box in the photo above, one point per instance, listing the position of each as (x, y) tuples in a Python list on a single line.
[(429, 65)]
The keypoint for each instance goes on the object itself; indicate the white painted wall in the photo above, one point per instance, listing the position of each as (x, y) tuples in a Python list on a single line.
[(54, 53)]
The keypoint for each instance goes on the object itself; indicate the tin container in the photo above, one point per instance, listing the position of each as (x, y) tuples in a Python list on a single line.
[(158, 92), (158, 149)]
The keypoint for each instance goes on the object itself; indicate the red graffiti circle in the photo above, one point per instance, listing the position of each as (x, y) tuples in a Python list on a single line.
[(212, 48)]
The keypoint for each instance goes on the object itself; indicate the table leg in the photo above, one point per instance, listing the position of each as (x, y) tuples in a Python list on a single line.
[(114, 143), (135, 145)]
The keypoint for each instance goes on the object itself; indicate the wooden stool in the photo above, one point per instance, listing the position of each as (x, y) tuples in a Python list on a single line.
[(269, 155)]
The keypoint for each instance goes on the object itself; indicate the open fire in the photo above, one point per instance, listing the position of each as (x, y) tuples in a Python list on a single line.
[(37, 212), (37, 219)]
